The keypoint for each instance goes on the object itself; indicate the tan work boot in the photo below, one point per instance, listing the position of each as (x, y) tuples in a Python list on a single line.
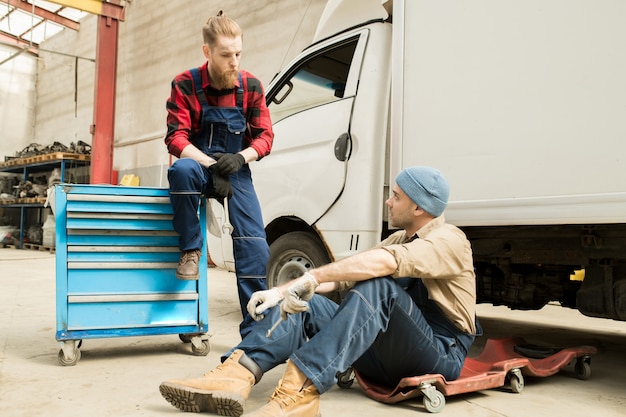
[(188, 265), (295, 396), (222, 391)]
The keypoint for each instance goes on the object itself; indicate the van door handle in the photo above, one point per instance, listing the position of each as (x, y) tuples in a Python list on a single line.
[(343, 147)]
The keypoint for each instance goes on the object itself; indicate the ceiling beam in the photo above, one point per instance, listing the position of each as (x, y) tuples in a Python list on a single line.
[(44, 14), (10, 40), (89, 6), (108, 8)]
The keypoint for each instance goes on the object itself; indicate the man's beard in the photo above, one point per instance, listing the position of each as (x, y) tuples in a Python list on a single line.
[(226, 80), (398, 221)]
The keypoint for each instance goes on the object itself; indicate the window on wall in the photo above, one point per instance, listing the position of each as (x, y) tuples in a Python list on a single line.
[(318, 80)]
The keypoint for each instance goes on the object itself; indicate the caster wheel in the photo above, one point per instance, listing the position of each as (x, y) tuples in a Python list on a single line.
[(436, 403), (185, 338), (517, 382), (345, 379), (202, 349), (582, 368), (68, 361)]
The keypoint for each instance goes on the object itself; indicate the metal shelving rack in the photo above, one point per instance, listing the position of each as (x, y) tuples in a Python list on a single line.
[(30, 167)]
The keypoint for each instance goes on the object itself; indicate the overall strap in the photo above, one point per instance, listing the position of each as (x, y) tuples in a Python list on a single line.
[(197, 85), (239, 93)]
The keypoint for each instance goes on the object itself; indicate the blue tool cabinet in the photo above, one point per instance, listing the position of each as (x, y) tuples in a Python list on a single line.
[(116, 256)]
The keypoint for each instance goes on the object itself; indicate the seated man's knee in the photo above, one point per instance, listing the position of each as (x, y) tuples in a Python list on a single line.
[(183, 166), (376, 285), (184, 174), (382, 282)]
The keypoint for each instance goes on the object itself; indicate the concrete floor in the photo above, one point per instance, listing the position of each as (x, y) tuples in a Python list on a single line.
[(120, 376)]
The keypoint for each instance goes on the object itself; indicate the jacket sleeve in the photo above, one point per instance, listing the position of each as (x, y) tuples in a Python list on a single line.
[(180, 111), (259, 133)]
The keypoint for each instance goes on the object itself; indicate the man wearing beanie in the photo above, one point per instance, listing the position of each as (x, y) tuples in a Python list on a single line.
[(410, 310)]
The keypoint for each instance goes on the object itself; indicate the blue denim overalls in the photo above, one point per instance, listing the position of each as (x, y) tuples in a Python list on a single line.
[(222, 131)]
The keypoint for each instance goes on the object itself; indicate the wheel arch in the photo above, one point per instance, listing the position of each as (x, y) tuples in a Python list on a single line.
[(289, 257), (286, 224)]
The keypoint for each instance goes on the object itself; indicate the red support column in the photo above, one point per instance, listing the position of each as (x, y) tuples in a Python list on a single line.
[(103, 128)]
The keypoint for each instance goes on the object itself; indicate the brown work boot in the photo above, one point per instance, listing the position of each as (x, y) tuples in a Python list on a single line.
[(188, 265), (222, 391), (295, 396)]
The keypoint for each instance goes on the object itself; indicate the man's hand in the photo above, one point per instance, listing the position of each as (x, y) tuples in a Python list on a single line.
[(228, 163), (303, 287), (262, 300), (298, 293), (221, 185)]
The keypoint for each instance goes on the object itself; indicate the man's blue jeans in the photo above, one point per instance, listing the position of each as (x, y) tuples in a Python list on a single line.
[(378, 330)]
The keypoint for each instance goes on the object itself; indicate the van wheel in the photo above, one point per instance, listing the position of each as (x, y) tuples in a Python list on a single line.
[(293, 254)]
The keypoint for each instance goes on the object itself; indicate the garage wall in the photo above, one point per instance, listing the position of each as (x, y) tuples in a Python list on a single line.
[(17, 100), (158, 39), (65, 86)]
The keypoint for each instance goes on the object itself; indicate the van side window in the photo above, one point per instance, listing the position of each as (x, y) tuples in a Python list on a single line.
[(319, 80)]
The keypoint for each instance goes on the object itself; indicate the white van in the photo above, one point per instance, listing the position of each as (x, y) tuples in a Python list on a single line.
[(522, 106)]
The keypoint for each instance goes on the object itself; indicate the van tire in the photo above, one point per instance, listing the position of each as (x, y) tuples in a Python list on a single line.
[(292, 254)]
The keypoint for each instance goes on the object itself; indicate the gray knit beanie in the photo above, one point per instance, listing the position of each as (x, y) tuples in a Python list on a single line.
[(427, 187)]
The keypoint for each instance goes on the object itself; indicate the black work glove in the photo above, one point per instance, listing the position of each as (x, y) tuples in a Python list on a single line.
[(221, 185), (228, 163)]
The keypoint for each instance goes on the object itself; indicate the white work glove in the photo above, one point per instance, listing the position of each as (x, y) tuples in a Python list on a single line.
[(298, 293), (262, 300)]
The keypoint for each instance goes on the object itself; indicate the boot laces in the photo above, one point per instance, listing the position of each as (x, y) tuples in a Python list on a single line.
[(216, 370), (286, 397), (192, 255)]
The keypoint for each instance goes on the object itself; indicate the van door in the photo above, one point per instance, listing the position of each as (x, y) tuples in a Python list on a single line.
[(311, 107)]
